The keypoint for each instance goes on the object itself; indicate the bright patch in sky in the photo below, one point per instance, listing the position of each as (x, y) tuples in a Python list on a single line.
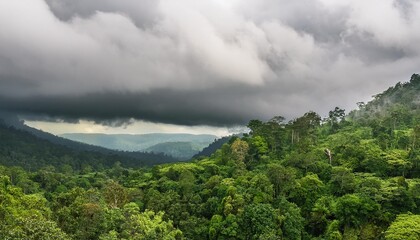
[(137, 127)]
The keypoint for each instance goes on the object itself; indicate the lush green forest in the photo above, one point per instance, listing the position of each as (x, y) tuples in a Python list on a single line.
[(354, 176), (213, 147), (34, 149)]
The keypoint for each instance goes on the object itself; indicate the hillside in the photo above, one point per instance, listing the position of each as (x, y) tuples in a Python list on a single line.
[(399, 105), (213, 147), (179, 150), (147, 142), (348, 177), (22, 148), (11, 120)]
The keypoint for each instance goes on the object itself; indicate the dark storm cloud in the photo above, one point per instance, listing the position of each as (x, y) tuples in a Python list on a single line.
[(166, 106), (193, 62)]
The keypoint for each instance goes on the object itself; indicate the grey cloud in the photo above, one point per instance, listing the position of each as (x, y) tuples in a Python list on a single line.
[(363, 47), (192, 62), (324, 24), (164, 105), (143, 12)]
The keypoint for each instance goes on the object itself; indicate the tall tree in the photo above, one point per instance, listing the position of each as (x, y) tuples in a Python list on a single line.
[(406, 227)]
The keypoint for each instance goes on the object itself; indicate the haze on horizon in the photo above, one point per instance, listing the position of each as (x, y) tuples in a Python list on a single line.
[(198, 66)]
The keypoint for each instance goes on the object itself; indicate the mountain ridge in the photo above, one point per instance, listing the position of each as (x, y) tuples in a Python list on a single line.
[(144, 142), (21, 145)]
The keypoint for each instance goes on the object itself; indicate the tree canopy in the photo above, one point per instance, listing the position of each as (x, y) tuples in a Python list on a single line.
[(353, 176)]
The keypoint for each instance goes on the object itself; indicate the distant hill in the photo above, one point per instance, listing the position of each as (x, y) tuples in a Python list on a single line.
[(210, 149), (33, 149), (182, 146), (398, 105), (10, 120), (180, 150)]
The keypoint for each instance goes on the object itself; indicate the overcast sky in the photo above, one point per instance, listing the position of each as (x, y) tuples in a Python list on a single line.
[(216, 63)]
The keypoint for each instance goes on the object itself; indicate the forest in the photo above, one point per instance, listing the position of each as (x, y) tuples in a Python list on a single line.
[(346, 176)]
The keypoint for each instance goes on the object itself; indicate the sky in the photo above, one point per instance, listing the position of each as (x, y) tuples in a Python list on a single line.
[(198, 66)]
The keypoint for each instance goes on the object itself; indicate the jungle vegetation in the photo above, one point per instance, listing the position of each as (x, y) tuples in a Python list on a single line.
[(347, 176)]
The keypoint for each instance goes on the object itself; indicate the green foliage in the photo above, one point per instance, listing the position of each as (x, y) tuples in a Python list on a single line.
[(336, 117), (406, 227), (282, 178), (147, 225), (21, 148), (33, 228), (115, 195), (354, 210), (258, 220), (348, 177), (307, 191), (342, 181), (239, 150), (25, 216), (292, 222)]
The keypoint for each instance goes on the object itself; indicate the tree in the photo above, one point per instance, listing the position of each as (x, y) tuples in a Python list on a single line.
[(115, 195), (398, 115), (255, 126), (25, 216), (337, 114), (259, 219), (80, 213), (353, 210), (282, 178), (320, 215), (216, 225), (187, 183), (147, 225), (261, 189), (276, 135), (307, 191), (223, 228), (361, 105), (335, 117), (398, 162), (406, 226), (333, 231), (34, 227), (415, 137), (342, 181), (395, 196), (258, 149), (292, 223), (304, 127), (239, 150)]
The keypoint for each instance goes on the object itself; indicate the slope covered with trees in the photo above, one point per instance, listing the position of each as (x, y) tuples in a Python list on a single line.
[(344, 177), (22, 148), (179, 145), (180, 150), (212, 147)]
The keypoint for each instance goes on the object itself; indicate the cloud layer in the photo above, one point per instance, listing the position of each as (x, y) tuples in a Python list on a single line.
[(193, 62)]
